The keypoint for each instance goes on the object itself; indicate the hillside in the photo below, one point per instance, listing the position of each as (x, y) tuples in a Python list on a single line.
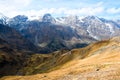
[(10, 59), (98, 61), (14, 49)]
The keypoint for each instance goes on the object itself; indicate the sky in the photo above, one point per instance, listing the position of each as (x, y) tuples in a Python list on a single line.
[(109, 9)]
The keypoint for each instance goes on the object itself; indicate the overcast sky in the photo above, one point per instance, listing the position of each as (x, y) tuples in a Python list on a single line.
[(109, 9)]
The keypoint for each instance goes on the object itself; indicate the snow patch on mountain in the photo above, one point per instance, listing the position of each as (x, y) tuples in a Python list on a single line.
[(30, 18), (110, 27), (91, 34), (60, 20), (81, 18)]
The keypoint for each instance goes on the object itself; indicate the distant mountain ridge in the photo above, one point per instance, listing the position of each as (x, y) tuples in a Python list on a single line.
[(51, 34)]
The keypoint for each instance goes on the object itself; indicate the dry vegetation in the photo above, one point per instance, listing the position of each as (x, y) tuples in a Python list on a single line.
[(99, 61)]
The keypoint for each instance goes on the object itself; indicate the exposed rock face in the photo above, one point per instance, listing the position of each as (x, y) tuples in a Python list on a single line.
[(3, 19), (48, 36), (18, 22), (15, 39), (99, 29)]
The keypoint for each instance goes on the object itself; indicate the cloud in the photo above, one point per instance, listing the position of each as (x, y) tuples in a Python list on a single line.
[(15, 3), (61, 11), (58, 11), (11, 7), (84, 11), (113, 11)]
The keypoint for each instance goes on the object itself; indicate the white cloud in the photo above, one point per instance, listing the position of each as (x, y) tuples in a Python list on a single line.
[(12, 7), (99, 4), (113, 10), (80, 11), (59, 11), (64, 11), (15, 3)]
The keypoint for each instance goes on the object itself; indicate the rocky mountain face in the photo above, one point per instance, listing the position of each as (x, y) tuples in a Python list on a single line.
[(48, 36), (48, 18), (51, 34), (3, 19), (15, 39), (18, 22), (92, 26), (100, 29)]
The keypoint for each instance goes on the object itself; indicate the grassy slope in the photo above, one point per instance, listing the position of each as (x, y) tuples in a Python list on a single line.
[(99, 61)]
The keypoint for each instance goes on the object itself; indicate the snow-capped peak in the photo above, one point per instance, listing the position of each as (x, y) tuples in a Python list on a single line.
[(1, 15), (3, 19), (48, 18)]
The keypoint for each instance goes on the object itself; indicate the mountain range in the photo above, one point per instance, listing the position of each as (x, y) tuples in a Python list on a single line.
[(51, 34)]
